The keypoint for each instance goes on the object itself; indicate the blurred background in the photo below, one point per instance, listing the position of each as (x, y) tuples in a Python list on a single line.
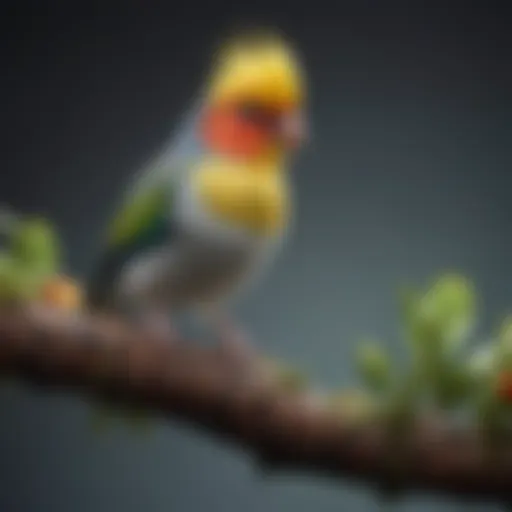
[(408, 175)]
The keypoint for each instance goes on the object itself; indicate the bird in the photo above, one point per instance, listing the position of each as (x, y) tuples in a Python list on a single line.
[(204, 219)]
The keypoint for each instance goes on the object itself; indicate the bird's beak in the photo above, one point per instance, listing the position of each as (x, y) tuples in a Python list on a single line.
[(293, 129)]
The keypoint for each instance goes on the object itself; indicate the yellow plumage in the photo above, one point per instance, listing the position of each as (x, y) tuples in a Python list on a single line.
[(252, 194), (261, 68), (254, 198)]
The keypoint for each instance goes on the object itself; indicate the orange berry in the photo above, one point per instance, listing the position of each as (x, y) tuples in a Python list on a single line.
[(62, 292)]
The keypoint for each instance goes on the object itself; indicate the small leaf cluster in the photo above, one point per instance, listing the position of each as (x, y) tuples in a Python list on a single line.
[(31, 254), (444, 372)]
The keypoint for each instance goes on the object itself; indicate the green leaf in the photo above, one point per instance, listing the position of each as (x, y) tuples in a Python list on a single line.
[(503, 347), (505, 334), (374, 365), (408, 302), (16, 283), (7, 280), (403, 401), (421, 328), (34, 244), (427, 334), (450, 304), (490, 414), (454, 385), (482, 361)]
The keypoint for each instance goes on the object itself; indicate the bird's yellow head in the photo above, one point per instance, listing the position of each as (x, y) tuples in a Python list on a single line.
[(255, 97)]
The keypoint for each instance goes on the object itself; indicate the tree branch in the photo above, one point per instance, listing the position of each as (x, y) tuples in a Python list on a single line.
[(104, 359)]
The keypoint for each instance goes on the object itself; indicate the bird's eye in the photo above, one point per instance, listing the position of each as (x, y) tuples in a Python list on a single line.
[(250, 111), (256, 114)]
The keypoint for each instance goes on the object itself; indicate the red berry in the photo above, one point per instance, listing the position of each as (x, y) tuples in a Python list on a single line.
[(504, 388)]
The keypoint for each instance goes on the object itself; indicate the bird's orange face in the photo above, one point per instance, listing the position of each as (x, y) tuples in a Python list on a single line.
[(255, 99), (250, 129)]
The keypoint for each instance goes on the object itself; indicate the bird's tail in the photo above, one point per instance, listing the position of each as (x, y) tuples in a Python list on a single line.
[(96, 294), (99, 291)]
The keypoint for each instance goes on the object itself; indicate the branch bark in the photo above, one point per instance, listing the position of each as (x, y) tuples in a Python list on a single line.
[(105, 359)]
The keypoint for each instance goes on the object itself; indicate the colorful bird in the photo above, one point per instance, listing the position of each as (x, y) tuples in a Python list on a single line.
[(204, 217)]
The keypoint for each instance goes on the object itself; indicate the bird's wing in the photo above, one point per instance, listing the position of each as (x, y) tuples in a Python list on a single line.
[(143, 215), (144, 219), (142, 222)]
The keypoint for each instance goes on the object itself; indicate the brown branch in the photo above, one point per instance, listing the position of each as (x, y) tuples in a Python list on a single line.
[(105, 359)]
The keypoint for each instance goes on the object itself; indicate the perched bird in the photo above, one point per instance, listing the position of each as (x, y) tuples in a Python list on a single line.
[(204, 217)]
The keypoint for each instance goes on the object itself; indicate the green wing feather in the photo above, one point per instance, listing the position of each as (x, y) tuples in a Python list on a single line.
[(141, 223), (138, 216)]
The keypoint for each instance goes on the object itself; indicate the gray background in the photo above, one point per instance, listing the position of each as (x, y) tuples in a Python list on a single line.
[(408, 174)]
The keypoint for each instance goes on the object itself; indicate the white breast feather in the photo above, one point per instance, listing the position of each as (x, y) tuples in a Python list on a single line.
[(211, 260)]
